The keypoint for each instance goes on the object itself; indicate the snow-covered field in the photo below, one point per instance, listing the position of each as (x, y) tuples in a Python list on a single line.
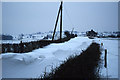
[(35, 63), (112, 58)]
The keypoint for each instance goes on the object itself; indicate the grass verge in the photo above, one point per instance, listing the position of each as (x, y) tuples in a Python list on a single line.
[(84, 66)]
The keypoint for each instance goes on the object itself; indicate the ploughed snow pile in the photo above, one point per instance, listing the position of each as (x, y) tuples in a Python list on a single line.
[(35, 63)]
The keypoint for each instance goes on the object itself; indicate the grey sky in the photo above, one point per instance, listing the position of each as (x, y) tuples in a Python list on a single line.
[(31, 17)]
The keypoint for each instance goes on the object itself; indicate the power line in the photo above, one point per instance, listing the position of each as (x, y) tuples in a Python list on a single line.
[(68, 16)]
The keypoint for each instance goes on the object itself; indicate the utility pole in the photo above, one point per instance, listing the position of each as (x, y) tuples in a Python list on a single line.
[(61, 23), (60, 10), (72, 30)]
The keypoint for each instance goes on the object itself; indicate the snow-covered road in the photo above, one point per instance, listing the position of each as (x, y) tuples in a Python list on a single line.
[(33, 64)]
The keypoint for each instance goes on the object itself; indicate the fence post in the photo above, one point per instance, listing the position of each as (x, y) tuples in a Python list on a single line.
[(105, 58), (101, 44), (21, 47)]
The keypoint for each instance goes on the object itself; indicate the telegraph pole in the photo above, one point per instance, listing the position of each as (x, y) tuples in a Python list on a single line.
[(60, 10), (61, 23)]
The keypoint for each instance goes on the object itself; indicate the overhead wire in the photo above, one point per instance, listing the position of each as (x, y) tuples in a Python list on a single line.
[(70, 21)]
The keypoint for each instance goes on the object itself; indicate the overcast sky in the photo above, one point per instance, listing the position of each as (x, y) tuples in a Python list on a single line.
[(31, 17)]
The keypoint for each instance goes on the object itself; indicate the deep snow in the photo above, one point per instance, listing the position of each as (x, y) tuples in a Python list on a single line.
[(35, 63), (112, 58)]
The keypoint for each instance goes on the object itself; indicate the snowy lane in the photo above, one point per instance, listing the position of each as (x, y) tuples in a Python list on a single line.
[(35, 63)]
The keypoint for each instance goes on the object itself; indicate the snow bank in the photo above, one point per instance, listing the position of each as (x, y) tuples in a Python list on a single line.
[(35, 63)]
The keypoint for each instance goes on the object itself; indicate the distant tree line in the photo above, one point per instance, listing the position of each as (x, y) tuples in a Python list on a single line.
[(6, 37), (92, 33), (68, 35)]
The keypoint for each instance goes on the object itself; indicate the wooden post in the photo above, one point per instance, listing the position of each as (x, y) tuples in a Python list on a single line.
[(56, 23), (101, 44), (21, 47), (72, 30), (61, 22), (105, 58)]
